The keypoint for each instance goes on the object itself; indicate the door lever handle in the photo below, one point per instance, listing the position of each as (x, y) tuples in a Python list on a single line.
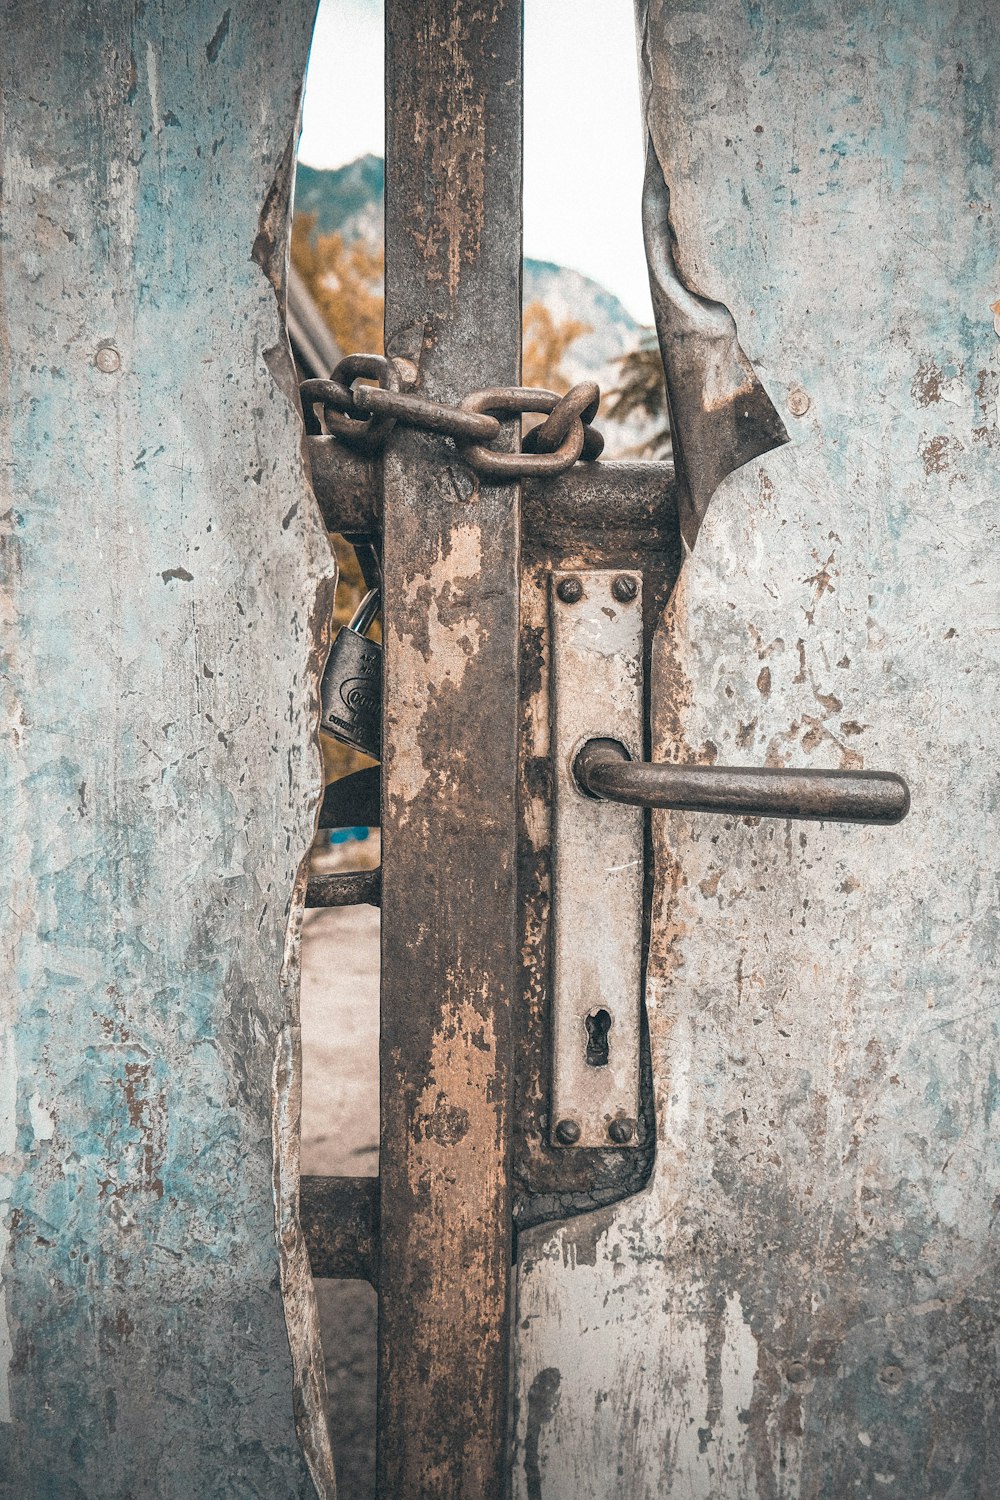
[(604, 769), (598, 847)]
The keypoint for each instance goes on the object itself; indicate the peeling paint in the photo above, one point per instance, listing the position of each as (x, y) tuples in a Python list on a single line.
[(160, 771), (450, 637)]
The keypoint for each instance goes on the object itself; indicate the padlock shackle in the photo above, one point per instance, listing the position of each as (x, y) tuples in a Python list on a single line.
[(366, 611)]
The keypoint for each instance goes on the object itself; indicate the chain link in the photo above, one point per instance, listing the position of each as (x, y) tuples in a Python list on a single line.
[(362, 416)]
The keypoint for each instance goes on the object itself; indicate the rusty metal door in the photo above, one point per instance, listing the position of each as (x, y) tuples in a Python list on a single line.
[(803, 1300), (687, 1176), (726, 1069)]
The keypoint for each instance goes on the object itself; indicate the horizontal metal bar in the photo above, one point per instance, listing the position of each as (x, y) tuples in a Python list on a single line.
[(610, 501), (603, 771), (339, 1218), (345, 888), (603, 497)]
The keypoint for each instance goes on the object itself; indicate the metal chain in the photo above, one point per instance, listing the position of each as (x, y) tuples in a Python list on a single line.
[(362, 416)]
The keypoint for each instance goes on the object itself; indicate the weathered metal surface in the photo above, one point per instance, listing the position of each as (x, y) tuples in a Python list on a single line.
[(340, 1224), (804, 1301), (820, 796), (165, 581), (605, 515), (597, 864), (721, 416), (597, 504), (450, 553)]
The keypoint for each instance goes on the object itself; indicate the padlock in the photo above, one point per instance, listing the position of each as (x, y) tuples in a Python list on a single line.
[(351, 690)]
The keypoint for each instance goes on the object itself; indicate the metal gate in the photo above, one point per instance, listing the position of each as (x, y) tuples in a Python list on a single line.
[(687, 1110)]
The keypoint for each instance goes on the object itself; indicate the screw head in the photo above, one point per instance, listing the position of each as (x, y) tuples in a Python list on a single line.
[(621, 1131), (796, 1372), (567, 1132), (798, 402), (570, 590), (108, 360), (624, 588)]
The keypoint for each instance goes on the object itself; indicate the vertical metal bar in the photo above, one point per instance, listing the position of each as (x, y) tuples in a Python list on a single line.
[(449, 950)]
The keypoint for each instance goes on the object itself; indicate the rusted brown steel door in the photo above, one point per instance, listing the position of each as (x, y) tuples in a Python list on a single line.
[(662, 1030)]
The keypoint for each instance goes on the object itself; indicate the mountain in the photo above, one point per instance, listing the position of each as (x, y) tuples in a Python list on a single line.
[(350, 201), (347, 200)]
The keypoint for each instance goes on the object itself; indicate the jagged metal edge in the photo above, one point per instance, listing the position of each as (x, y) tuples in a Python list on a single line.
[(721, 416)]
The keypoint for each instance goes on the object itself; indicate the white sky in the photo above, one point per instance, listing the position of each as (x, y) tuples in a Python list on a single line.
[(583, 144)]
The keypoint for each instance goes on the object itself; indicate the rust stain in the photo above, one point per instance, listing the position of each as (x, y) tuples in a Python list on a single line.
[(450, 130), (938, 453), (926, 387), (672, 695), (456, 1139), (543, 1402), (988, 401), (773, 648), (147, 1116), (810, 733), (822, 581), (450, 636)]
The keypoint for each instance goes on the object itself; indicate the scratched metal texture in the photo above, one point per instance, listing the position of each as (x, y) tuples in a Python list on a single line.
[(451, 553), (165, 582), (804, 1301)]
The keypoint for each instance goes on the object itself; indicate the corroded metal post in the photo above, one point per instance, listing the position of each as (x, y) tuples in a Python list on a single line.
[(453, 261)]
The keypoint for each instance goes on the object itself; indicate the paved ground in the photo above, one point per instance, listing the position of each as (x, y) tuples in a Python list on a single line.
[(340, 965)]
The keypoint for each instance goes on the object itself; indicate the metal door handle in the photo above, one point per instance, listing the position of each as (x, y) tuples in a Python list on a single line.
[(604, 769), (598, 847)]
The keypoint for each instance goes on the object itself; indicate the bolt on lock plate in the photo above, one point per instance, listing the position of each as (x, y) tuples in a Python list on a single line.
[(597, 855)]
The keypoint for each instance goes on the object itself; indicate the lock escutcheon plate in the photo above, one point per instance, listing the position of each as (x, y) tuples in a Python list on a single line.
[(597, 857)]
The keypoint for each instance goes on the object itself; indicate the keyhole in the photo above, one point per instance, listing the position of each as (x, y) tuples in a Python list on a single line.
[(598, 1026)]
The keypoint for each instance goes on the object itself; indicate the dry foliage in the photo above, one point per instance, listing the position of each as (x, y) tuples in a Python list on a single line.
[(641, 390), (346, 281), (544, 343)]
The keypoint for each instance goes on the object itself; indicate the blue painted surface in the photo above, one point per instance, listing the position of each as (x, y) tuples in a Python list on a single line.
[(161, 564)]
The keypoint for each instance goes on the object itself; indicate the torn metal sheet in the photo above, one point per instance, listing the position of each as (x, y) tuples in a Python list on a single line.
[(166, 582), (721, 416), (804, 1300)]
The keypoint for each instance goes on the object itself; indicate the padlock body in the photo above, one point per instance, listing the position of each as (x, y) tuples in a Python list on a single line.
[(351, 693)]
